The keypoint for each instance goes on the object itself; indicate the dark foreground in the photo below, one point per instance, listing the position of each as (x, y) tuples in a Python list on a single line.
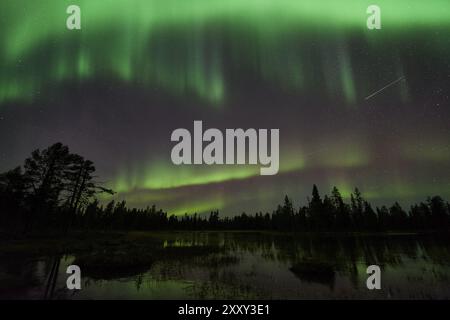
[(226, 265)]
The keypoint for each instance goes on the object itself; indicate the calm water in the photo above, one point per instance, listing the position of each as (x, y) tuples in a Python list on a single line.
[(254, 265)]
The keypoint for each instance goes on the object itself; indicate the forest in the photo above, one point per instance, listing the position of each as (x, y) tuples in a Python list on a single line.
[(56, 191)]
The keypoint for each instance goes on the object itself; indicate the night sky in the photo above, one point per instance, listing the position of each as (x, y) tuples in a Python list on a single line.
[(138, 69)]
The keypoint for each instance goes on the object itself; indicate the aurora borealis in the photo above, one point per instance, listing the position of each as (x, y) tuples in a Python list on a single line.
[(138, 69)]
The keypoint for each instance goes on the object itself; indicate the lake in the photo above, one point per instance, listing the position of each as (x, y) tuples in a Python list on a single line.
[(247, 265)]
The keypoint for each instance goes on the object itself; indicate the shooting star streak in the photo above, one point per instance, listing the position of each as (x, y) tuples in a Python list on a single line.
[(385, 87)]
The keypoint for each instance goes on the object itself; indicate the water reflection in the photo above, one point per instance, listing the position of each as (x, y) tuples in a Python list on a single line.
[(230, 265)]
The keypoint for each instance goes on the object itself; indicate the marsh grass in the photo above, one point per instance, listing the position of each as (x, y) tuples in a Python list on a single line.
[(314, 271), (125, 260), (113, 265)]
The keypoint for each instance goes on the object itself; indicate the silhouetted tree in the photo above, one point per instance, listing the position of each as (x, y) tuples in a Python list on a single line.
[(316, 209), (438, 211), (12, 196), (53, 182), (398, 217), (342, 211), (357, 209)]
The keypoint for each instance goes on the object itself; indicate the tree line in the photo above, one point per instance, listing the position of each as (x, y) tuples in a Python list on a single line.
[(57, 190)]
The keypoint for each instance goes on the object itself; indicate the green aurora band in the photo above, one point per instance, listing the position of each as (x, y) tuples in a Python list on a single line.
[(115, 35)]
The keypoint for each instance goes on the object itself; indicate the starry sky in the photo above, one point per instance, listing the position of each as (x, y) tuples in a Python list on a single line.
[(355, 107)]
